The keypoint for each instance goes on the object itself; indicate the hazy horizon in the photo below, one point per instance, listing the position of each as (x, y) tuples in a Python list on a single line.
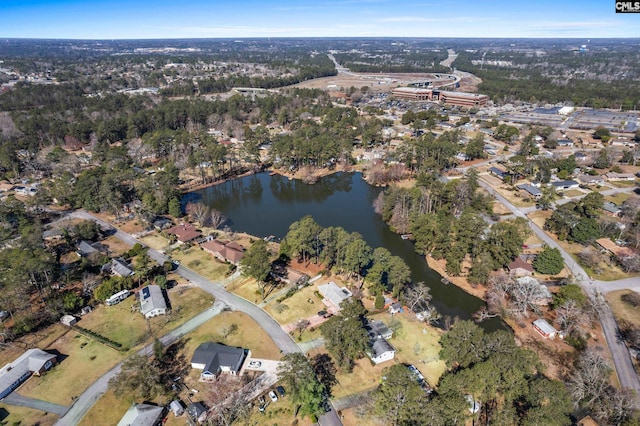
[(163, 19)]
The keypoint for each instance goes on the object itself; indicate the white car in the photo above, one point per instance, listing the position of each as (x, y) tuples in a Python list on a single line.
[(273, 396)]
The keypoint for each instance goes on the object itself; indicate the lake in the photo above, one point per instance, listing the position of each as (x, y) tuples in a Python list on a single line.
[(264, 205)]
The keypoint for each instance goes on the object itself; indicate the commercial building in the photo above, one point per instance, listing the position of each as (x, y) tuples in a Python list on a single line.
[(451, 98)]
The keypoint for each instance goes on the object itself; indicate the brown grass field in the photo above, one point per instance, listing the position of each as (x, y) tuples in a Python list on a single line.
[(27, 416), (86, 361)]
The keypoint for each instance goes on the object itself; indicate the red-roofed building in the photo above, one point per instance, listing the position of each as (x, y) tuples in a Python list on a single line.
[(227, 252), (519, 268), (185, 232)]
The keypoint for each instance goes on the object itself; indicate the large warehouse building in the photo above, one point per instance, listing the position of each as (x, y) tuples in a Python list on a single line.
[(451, 98)]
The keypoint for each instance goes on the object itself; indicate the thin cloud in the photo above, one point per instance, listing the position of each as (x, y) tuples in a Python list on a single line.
[(424, 19)]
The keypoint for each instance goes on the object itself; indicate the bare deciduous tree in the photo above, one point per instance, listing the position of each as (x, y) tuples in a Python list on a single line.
[(216, 218), (573, 318), (590, 380), (198, 212), (417, 297)]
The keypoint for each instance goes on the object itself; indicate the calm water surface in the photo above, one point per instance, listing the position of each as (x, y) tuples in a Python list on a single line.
[(264, 205)]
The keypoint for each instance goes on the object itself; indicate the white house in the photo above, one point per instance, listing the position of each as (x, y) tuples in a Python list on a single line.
[(381, 351), (332, 295), (152, 301)]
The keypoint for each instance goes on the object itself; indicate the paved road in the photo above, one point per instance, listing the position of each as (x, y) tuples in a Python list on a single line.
[(217, 290), (15, 398), (90, 396), (619, 352)]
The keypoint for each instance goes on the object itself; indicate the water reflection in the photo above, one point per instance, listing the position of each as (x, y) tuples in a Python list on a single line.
[(266, 205)]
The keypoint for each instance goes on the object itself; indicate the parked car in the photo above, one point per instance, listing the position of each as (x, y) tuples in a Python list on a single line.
[(273, 396), (280, 390)]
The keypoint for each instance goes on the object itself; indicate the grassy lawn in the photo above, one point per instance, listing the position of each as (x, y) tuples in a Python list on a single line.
[(26, 416), (278, 413), (364, 376), (126, 326), (514, 197), (247, 288), (298, 306), (155, 241), (417, 343), (86, 360), (40, 339), (622, 310), (618, 198), (108, 410), (573, 193), (116, 246), (248, 335), (201, 262), (624, 184)]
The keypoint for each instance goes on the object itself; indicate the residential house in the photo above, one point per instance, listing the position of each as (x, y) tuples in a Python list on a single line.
[(611, 209), (581, 157), (519, 268), (587, 421), (332, 295), (379, 330), (544, 328), (197, 411), (160, 223), (87, 248), (231, 252), (118, 267), (381, 351), (613, 249), (498, 172), (618, 177), (530, 190), (184, 232), (395, 308), (33, 362), (142, 415), (152, 301), (215, 358), (565, 143), (591, 180), (25, 191), (565, 184)]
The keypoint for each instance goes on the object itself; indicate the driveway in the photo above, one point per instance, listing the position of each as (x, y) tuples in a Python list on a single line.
[(217, 290), (90, 396), (16, 399)]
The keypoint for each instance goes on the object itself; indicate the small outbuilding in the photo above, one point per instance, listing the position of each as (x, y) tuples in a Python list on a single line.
[(545, 329), (197, 411), (176, 407), (68, 320)]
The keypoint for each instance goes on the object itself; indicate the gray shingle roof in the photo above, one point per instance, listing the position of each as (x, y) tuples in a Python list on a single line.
[(151, 298), (215, 355)]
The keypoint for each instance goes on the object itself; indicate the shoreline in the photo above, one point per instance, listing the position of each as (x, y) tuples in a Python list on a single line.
[(460, 282)]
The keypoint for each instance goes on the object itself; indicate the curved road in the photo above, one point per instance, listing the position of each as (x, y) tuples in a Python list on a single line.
[(594, 288), (281, 338)]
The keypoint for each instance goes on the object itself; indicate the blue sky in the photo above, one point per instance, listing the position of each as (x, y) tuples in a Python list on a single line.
[(118, 19)]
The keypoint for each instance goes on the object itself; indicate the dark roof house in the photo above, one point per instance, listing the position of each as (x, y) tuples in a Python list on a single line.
[(215, 358), (118, 267), (197, 411)]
